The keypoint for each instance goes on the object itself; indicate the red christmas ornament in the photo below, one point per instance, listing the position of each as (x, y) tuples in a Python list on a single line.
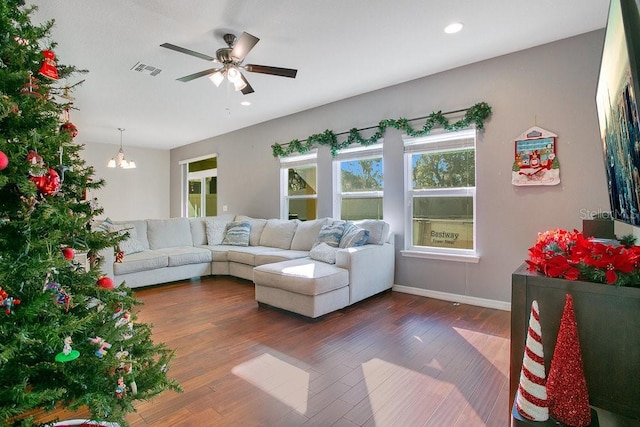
[(48, 68), (105, 282), (68, 253), (48, 184), (4, 161), (566, 384), (70, 128)]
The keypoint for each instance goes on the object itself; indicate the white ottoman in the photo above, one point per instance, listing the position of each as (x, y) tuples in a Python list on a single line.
[(303, 286)]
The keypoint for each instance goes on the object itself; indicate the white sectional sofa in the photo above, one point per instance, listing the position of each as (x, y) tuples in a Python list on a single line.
[(296, 266)]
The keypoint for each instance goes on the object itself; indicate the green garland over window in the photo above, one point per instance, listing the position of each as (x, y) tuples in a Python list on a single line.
[(476, 114)]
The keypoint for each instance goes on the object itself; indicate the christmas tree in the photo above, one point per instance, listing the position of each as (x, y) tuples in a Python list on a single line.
[(69, 338)]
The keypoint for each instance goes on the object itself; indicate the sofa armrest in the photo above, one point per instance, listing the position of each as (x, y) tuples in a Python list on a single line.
[(108, 257), (371, 269)]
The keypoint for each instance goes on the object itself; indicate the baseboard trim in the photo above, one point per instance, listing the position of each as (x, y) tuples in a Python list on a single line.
[(463, 299)]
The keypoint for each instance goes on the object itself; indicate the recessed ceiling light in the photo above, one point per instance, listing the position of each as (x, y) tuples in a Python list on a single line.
[(453, 28), (245, 103)]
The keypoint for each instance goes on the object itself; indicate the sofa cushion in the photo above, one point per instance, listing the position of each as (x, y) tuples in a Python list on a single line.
[(331, 234), (378, 230), (131, 244), (278, 255), (302, 276), (257, 226), (186, 255), (141, 261), (307, 233), (236, 233), (247, 255), (353, 236), (323, 252), (278, 233), (215, 229), (169, 233)]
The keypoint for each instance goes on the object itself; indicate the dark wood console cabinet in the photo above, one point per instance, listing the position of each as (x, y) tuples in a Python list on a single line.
[(608, 319)]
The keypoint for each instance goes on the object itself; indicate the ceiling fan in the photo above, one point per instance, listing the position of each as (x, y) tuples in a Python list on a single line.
[(231, 58)]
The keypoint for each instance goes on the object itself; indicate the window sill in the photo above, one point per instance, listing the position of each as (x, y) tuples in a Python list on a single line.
[(474, 259)]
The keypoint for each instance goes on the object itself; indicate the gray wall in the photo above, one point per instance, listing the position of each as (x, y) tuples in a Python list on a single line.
[(552, 86), (132, 193)]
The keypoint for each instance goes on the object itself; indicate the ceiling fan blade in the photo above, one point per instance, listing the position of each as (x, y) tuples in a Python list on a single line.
[(188, 52), (247, 89), (276, 71), (243, 45), (198, 75)]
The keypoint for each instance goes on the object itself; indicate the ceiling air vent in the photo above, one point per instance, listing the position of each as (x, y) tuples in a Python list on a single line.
[(144, 68)]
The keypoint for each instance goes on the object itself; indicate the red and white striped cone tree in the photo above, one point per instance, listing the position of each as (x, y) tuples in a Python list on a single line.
[(531, 398)]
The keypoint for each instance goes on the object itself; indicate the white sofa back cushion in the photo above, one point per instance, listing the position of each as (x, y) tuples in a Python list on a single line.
[(278, 233), (169, 233), (378, 230), (307, 233)]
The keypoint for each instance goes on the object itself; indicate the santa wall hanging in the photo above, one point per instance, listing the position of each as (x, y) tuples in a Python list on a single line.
[(535, 160)]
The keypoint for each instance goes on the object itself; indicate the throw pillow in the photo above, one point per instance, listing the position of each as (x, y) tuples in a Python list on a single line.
[(331, 234), (104, 225), (131, 244), (215, 228), (353, 236), (323, 252), (378, 230), (236, 233), (257, 225)]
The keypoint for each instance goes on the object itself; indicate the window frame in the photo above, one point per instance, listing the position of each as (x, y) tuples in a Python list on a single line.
[(186, 176), (350, 154), (438, 142), (286, 163)]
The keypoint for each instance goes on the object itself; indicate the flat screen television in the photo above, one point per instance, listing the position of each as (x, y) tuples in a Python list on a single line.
[(617, 106)]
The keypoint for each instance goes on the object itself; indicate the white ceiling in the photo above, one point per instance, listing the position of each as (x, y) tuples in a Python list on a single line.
[(341, 48)]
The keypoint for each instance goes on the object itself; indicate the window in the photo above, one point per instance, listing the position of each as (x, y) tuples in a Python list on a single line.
[(358, 174), (298, 182), (441, 193), (199, 187)]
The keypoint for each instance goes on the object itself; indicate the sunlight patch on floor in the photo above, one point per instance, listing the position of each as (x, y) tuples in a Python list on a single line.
[(393, 390), (483, 341), (285, 382)]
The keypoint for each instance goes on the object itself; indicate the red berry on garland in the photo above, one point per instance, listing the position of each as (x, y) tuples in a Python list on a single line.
[(105, 282), (4, 161), (68, 253)]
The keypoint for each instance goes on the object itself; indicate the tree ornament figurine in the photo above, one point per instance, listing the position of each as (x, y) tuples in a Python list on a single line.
[(121, 389), (67, 354), (7, 302), (103, 346)]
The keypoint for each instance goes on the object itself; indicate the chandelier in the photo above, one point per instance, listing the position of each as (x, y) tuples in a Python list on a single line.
[(119, 160)]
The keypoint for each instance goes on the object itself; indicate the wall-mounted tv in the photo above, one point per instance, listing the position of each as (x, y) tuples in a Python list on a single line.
[(617, 105)]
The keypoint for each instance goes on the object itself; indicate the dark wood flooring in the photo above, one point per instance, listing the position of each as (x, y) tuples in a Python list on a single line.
[(392, 360)]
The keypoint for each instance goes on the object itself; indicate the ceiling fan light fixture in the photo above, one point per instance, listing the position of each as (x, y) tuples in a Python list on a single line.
[(217, 78), (233, 74), (239, 84)]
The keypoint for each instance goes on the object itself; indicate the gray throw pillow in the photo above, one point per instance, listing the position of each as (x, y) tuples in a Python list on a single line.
[(353, 236), (236, 233), (131, 245), (331, 234)]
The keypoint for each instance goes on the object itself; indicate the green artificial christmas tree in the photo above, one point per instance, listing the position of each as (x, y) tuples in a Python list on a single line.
[(68, 337)]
